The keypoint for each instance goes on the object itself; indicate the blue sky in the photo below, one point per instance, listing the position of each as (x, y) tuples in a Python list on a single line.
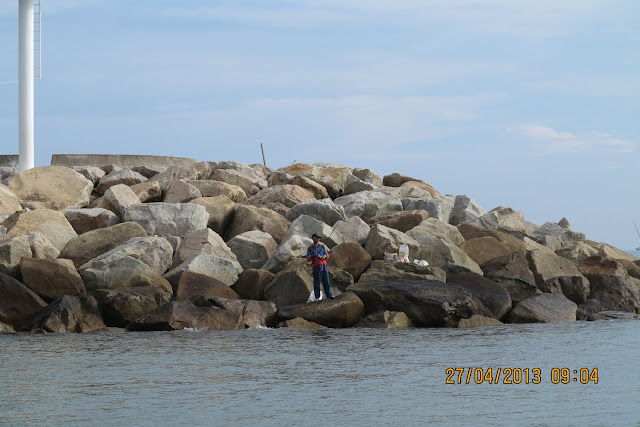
[(527, 104)]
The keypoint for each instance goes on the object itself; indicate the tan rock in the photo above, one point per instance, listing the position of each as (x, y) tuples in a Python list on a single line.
[(51, 187), (422, 185), (8, 203), (484, 249), (83, 220), (401, 221), (472, 232), (148, 191), (247, 218), (180, 191), (50, 223), (202, 241), (220, 209), (210, 188)]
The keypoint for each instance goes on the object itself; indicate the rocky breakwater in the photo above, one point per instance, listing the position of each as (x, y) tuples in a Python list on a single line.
[(220, 245)]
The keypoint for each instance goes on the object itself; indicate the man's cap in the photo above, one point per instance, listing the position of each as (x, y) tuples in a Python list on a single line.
[(316, 235)]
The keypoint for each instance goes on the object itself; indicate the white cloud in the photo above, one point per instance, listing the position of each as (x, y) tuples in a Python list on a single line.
[(547, 140)]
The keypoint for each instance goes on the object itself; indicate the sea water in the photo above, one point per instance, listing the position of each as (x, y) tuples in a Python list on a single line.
[(323, 377)]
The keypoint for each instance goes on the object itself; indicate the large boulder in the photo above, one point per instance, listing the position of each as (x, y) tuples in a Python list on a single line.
[(252, 282), (210, 188), (192, 172), (368, 204), (545, 266), (512, 265), (11, 252), (83, 220), (342, 312), (469, 232), (222, 269), (333, 178), (18, 304), (491, 295), (465, 209), (180, 191), (256, 314), (168, 219), (119, 197), (324, 210), (291, 286), (436, 228), (555, 237), (250, 184), (397, 179), (253, 248), (192, 286), (50, 223), (92, 244), (545, 308), (382, 271), (300, 324), (51, 279), (257, 174), (92, 173), (122, 306), (401, 221), (177, 315), (575, 288), (41, 247), (351, 257), (577, 252), (383, 239), (201, 241), (154, 251), (451, 259), (8, 203), (280, 198), (367, 175), (423, 186), (608, 279), (484, 249), (119, 271), (306, 226), (439, 207), (294, 247), (282, 178), (608, 251), (477, 321), (51, 187), (425, 302), (247, 218), (70, 314), (354, 229), (148, 191), (125, 177), (220, 209)]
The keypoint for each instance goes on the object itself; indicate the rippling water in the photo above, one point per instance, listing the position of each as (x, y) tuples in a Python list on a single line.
[(355, 376)]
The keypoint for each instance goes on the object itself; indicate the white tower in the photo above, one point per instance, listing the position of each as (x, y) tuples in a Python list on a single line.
[(29, 66)]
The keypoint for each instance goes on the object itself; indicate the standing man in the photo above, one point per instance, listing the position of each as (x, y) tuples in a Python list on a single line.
[(318, 255)]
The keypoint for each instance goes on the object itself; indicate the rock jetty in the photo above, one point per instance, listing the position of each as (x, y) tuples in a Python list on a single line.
[(221, 245)]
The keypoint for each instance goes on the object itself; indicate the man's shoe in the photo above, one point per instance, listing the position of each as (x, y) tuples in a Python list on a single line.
[(332, 297)]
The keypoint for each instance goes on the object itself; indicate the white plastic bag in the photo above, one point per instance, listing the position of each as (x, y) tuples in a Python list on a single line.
[(403, 253), (312, 297)]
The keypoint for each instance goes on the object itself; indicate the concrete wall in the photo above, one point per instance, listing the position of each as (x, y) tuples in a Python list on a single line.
[(123, 160)]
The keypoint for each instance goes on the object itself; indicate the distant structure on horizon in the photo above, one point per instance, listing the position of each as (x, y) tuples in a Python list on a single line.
[(29, 67)]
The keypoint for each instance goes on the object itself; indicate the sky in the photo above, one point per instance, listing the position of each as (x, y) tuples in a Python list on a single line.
[(530, 104)]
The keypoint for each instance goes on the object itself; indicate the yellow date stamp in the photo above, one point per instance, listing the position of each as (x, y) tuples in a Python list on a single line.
[(520, 375)]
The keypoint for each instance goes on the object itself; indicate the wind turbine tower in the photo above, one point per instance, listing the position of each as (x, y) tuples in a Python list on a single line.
[(29, 67)]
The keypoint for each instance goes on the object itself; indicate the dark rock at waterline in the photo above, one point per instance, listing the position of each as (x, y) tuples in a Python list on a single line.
[(70, 314), (492, 296), (50, 278), (425, 302), (176, 315), (122, 306), (545, 308), (477, 321), (254, 313), (609, 278), (386, 319), (342, 312), (608, 303), (299, 323), (18, 304), (612, 315), (382, 271)]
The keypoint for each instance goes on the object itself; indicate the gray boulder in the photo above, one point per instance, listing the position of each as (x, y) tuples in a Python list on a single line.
[(8, 203), (202, 241), (256, 314), (291, 286), (609, 279), (383, 239), (386, 319), (253, 248), (222, 269), (305, 226), (194, 286), (92, 173), (154, 251), (351, 257), (280, 198), (209, 188), (439, 207), (545, 308), (41, 247), (124, 176), (51, 224), (491, 295), (451, 259), (250, 184), (401, 221), (180, 191), (92, 244), (119, 271), (354, 229), (465, 209), (252, 282), (247, 218), (575, 288), (331, 177), (177, 315), (168, 219), (119, 197), (294, 247), (546, 266), (324, 210), (122, 306), (382, 271), (367, 204), (11, 252)]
